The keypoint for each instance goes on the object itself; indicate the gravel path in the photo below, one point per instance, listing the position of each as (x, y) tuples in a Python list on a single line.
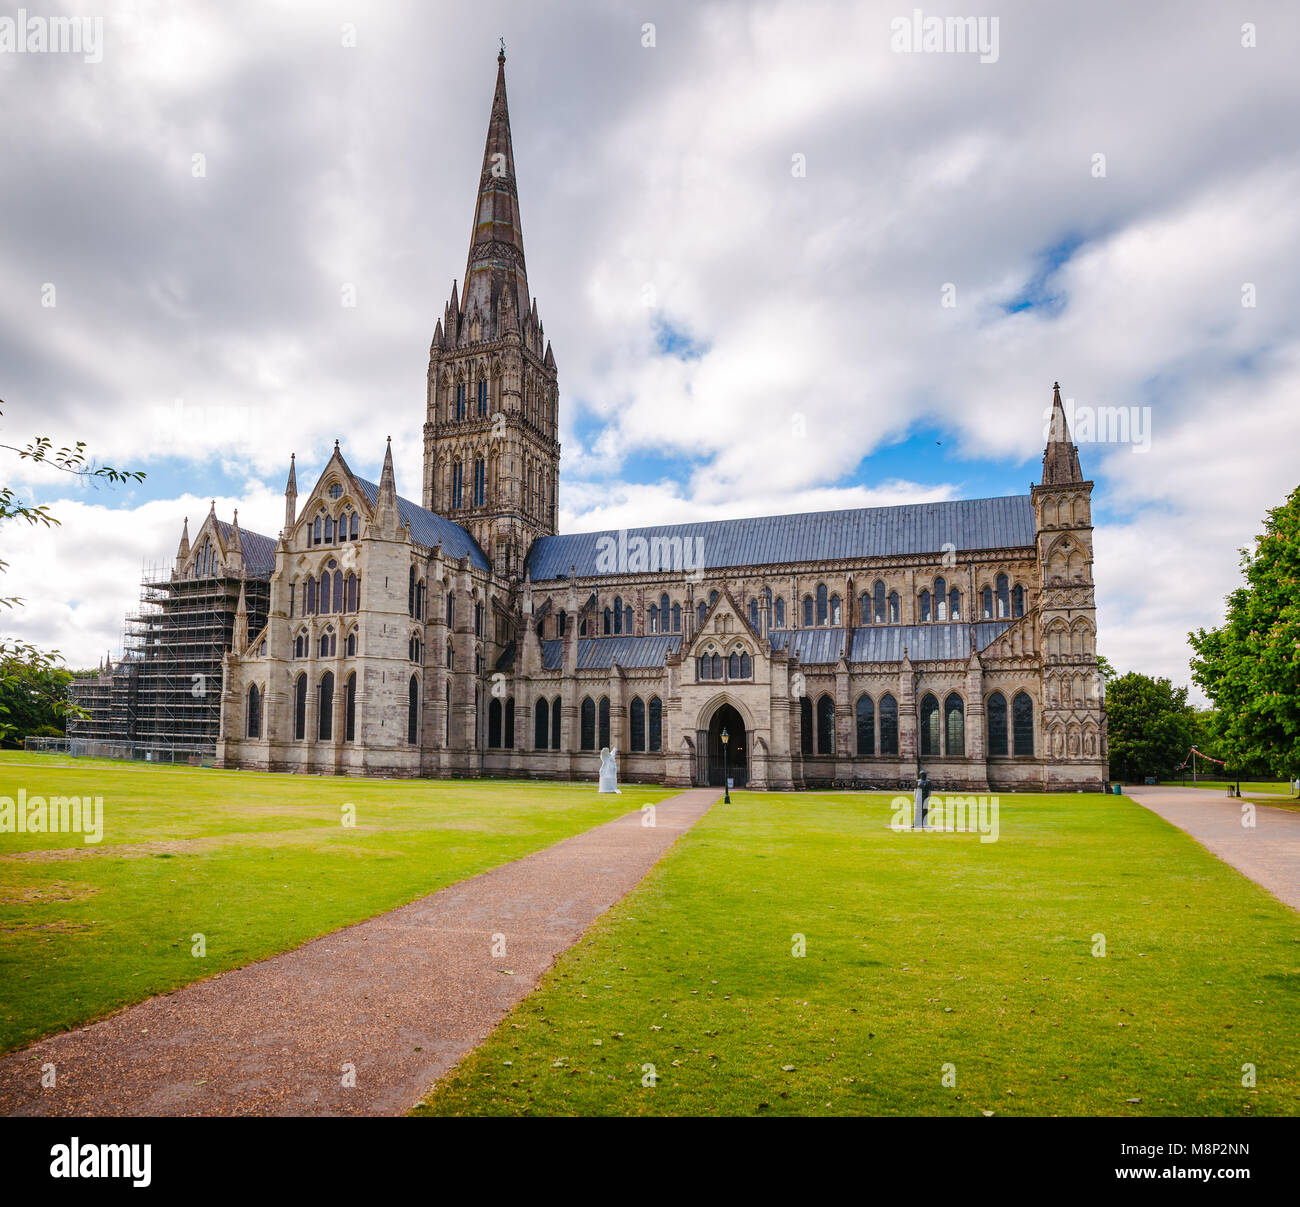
[(1269, 853), (390, 1004)]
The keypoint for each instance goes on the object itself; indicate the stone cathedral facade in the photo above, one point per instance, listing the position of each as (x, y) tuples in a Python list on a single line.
[(464, 636)]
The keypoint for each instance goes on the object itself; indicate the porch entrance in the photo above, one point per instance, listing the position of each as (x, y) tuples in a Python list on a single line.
[(737, 757)]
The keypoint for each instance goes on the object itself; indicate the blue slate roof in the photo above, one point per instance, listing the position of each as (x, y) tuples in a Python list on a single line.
[(876, 643), (924, 642), (259, 550), (811, 645), (912, 528), (884, 643), (598, 652), (429, 528)]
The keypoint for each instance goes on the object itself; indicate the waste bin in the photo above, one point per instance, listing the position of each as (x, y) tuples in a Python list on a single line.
[(1116, 789)]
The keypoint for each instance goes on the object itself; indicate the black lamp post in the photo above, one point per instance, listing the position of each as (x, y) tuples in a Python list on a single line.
[(726, 782)]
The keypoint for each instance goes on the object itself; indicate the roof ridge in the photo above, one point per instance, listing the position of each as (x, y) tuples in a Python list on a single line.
[(795, 515)]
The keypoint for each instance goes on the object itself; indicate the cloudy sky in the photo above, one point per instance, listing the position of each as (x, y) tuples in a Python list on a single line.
[(785, 264)]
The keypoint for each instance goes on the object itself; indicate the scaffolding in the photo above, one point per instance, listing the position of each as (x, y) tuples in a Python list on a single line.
[(163, 698)]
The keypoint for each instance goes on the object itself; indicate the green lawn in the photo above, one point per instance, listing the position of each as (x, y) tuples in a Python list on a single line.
[(1247, 786), (923, 951), (256, 863)]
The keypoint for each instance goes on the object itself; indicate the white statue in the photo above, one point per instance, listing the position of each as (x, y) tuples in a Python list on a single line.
[(609, 770)]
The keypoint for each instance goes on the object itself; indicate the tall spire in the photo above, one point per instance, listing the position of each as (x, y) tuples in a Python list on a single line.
[(234, 547), (495, 266), (386, 510), (239, 633), (290, 496), (1061, 458)]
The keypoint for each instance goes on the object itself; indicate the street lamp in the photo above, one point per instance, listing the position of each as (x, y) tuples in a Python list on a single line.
[(726, 782)]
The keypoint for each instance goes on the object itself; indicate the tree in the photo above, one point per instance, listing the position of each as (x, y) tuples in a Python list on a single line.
[(1149, 726), (31, 696), (1250, 666), (29, 676)]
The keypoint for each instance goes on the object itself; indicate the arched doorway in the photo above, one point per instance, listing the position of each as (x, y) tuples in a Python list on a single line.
[(737, 758)]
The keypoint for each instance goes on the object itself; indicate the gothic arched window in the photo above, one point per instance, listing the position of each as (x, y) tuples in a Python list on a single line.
[(893, 607), (986, 603), (300, 708), (457, 485), (931, 736), (1018, 602), (821, 603), (878, 603), (836, 614), (997, 715), (656, 724), (350, 709), (254, 712), (805, 726), (825, 725), (940, 599), (677, 618), (618, 614), (866, 716), (1022, 719), (888, 724), (555, 724), (954, 724), (778, 613), (588, 723), (604, 721), (325, 707), (541, 717), (413, 710), (925, 605), (652, 618), (954, 604), (636, 719), (494, 723), (1004, 597), (807, 611)]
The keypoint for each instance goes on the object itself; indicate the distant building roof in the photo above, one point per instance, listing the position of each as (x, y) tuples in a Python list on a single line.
[(912, 528), (259, 550), (429, 528)]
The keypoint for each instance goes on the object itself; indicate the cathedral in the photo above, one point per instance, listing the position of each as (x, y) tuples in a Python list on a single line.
[(464, 636)]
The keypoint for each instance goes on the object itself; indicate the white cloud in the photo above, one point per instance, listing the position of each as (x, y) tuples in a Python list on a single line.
[(203, 316)]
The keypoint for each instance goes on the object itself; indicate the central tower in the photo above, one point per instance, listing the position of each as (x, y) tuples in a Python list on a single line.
[(491, 432)]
